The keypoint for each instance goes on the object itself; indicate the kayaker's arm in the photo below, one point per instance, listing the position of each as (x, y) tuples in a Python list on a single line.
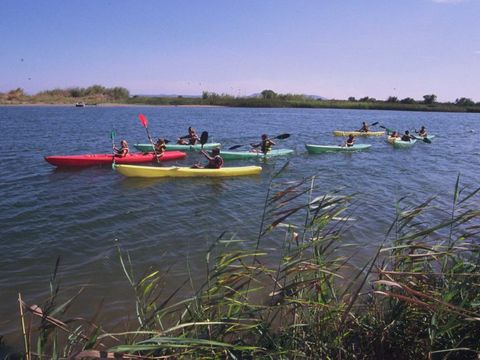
[(206, 155)]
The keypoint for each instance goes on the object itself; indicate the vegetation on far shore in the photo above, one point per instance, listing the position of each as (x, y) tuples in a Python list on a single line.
[(418, 297), (97, 95)]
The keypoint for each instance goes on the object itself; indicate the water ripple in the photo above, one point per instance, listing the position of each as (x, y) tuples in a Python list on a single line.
[(82, 215)]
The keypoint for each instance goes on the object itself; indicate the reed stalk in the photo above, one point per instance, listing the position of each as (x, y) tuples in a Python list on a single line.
[(24, 332), (417, 297)]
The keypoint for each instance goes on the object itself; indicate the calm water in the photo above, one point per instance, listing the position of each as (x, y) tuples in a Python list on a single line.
[(80, 214)]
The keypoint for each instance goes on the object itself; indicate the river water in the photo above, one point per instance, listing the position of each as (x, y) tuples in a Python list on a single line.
[(80, 215)]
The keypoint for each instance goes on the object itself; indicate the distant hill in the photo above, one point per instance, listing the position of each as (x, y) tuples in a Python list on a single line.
[(315, 97)]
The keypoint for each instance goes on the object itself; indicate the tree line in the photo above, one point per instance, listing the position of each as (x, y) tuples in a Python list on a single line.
[(94, 91), (427, 99), (266, 98)]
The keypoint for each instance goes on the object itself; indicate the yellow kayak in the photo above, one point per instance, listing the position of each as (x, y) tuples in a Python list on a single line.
[(358, 133), (177, 171)]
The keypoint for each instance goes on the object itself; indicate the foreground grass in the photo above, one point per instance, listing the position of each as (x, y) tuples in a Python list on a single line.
[(418, 297)]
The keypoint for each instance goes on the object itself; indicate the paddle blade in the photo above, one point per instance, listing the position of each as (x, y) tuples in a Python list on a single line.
[(282, 136), (375, 123), (234, 147), (112, 135), (389, 131), (204, 138), (143, 120), (427, 140)]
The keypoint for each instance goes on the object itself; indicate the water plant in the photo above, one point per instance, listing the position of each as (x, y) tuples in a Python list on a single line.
[(417, 297)]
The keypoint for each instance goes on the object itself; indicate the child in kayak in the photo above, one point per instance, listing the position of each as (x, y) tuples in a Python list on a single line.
[(394, 134), (160, 146), (215, 161), (122, 151), (350, 141), (423, 132), (265, 145), (364, 127), (406, 136), (190, 139)]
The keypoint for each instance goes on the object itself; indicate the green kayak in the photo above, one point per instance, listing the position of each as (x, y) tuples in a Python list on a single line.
[(197, 147), (429, 137), (400, 144), (237, 155), (317, 149)]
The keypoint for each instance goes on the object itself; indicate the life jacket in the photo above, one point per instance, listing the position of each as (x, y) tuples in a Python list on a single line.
[(192, 139), (266, 146), (160, 148), (215, 163), (122, 152)]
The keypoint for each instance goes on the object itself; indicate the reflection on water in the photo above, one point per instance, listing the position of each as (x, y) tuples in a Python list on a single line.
[(141, 183)]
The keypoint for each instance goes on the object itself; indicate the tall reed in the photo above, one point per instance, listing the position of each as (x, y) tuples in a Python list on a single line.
[(417, 297)]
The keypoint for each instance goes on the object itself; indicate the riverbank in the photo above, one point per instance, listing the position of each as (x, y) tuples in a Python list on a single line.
[(254, 103), (97, 95), (111, 105)]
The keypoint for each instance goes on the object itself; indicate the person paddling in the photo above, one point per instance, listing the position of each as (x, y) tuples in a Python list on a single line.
[(190, 139), (160, 146), (394, 135), (265, 145), (122, 151), (215, 161), (350, 141), (423, 132), (406, 136), (364, 127)]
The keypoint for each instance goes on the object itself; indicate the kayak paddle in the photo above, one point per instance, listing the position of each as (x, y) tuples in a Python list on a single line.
[(386, 129), (203, 141), (279, 137), (204, 138), (425, 139), (144, 121), (375, 123), (112, 136)]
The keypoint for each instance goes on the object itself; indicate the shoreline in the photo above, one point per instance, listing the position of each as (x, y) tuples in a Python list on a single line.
[(107, 105), (439, 108)]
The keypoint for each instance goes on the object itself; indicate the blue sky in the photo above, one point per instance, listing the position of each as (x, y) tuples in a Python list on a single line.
[(336, 49)]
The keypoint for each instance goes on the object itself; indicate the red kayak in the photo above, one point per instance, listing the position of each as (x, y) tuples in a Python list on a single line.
[(107, 159)]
